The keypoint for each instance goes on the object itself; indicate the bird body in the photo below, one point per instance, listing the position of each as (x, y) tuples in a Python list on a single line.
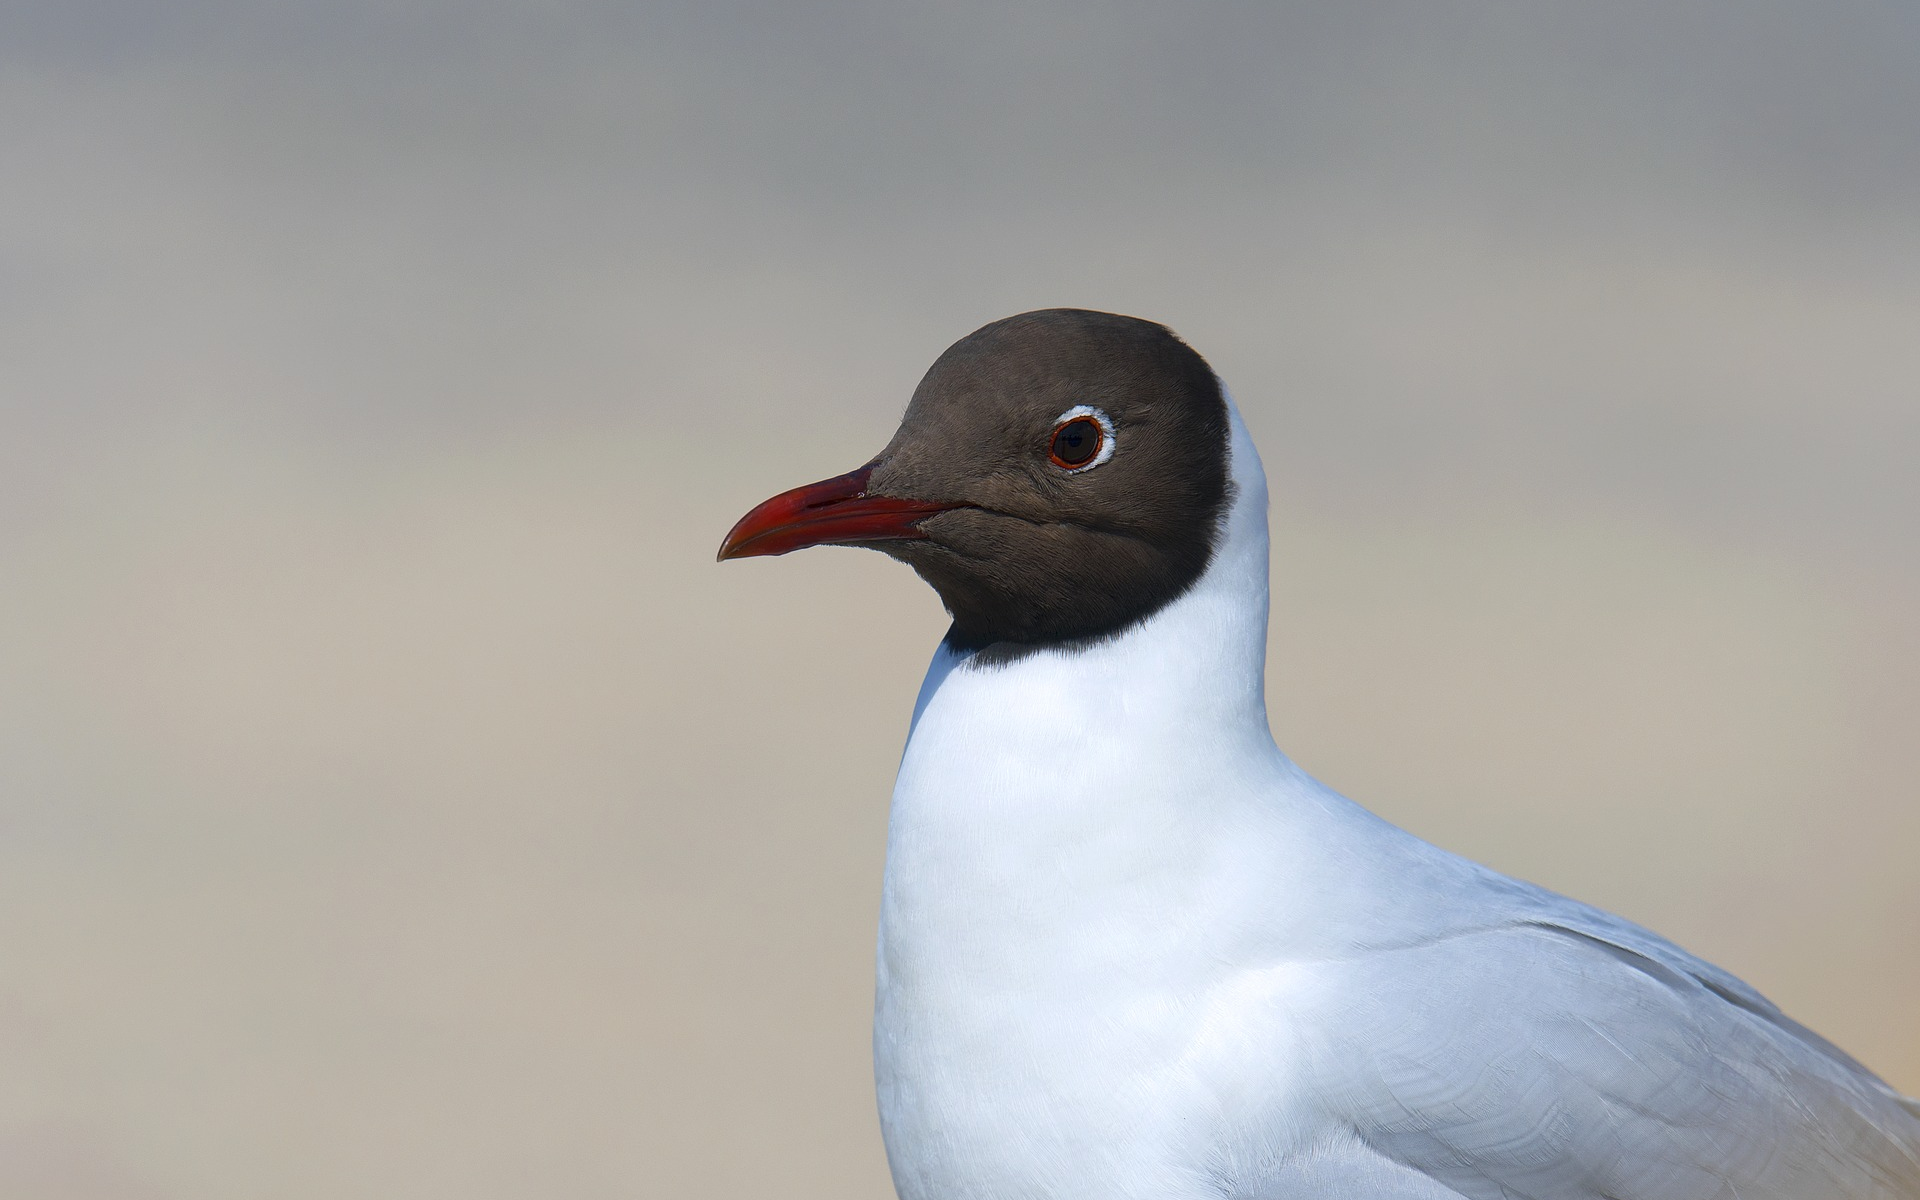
[(1128, 949)]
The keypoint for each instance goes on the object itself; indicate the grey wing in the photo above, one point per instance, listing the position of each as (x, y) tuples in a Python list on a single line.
[(1568, 1054), (1344, 1168)]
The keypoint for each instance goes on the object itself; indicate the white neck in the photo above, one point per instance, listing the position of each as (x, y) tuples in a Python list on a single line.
[(1056, 779)]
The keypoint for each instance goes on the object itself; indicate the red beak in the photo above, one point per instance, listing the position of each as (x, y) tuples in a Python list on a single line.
[(834, 511)]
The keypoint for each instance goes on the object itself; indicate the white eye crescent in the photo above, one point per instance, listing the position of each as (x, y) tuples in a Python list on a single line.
[(1082, 439)]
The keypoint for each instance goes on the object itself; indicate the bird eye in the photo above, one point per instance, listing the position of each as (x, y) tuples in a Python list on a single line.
[(1082, 439), (1075, 442)]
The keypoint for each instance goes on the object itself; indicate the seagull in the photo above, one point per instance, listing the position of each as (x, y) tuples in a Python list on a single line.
[(1128, 949)]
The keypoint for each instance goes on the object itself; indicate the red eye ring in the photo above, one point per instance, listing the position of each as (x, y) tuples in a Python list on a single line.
[(1076, 444)]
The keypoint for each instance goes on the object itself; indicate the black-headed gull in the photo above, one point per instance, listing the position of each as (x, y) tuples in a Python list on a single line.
[(1128, 949)]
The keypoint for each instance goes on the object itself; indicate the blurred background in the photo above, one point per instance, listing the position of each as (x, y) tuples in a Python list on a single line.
[(395, 798)]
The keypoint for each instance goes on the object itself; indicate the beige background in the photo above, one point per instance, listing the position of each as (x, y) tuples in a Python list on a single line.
[(396, 800)]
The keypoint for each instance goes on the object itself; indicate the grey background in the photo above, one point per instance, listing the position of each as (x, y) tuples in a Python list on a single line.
[(395, 800)]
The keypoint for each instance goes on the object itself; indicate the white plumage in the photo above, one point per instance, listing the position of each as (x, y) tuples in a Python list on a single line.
[(1128, 949)]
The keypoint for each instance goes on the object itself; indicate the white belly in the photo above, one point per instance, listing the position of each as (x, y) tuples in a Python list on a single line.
[(1072, 1001), (997, 1096), (1013, 1064)]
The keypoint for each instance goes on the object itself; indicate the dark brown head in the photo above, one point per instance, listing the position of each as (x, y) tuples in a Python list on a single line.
[(1058, 476)]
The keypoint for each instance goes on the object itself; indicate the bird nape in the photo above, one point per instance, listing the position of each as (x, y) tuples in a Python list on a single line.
[(1128, 948)]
